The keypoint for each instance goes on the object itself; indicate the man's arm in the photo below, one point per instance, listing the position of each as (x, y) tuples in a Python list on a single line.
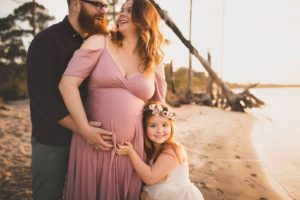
[(68, 123), (45, 98)]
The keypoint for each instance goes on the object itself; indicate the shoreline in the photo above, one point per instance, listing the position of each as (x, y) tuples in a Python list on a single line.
[(224, 164), (285, 159)]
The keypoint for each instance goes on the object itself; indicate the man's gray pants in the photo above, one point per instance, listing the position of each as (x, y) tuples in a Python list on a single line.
[(49, 167)]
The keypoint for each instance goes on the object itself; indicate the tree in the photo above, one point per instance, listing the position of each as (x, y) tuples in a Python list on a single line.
[(236, 102), (13, 30), (32, 15), (12, 50), (112, 13)]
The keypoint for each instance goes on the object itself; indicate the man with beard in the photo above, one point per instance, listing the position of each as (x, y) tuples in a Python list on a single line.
[(52, 126)]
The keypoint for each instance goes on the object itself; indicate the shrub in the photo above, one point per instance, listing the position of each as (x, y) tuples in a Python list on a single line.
[(13, 82)]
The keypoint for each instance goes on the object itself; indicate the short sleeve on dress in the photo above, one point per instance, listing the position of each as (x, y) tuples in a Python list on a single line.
[(83, 62), (160, 84)]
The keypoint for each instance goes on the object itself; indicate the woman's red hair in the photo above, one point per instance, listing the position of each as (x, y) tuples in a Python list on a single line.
[(150, 39)]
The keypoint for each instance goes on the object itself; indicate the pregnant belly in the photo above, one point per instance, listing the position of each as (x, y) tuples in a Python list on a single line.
[(118, 110)]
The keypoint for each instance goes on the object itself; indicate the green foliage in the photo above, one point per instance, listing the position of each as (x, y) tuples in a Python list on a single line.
[(13, 82), (11, 46), (13, 30), (24, 14), (199, 80)]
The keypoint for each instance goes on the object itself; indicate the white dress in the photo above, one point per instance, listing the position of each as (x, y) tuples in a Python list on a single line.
[(176, 186)]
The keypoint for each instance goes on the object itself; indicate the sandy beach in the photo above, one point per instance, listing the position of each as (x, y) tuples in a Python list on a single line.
[(15, 150), (223, 163)]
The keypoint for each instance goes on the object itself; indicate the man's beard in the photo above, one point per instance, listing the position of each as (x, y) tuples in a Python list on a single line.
[(88, 23)]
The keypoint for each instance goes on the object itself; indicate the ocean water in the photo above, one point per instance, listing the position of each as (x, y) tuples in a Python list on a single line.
[(276, 136)]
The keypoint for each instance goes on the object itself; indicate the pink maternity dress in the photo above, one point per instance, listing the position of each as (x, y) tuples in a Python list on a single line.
[(116, 101)]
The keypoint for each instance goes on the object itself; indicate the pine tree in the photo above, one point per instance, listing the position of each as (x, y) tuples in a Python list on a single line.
[(14, 30)]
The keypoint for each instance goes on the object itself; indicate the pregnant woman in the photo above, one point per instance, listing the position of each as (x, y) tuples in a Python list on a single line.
[(123, 72)]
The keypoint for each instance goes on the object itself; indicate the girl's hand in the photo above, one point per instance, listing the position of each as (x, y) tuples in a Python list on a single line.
[(125, 149)]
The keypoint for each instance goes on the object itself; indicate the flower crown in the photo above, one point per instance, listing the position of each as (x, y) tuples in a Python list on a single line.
[(158, 110)]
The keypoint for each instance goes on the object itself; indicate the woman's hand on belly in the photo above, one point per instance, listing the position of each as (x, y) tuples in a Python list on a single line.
[(97, 137)]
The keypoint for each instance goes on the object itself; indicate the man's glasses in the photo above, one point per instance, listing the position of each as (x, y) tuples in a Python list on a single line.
[(98, 5)]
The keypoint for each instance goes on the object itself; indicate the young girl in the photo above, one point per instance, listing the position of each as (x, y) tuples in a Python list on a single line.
[(167, 176)]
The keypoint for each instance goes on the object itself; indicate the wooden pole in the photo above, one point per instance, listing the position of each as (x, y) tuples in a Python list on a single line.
[(114, 10), (190, 75), (209, 80), (173, 89)]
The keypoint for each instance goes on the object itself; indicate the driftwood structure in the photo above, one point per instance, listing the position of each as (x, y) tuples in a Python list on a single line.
[(232, 101)]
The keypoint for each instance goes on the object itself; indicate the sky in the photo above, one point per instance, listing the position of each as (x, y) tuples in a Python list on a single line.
[(249, 40)]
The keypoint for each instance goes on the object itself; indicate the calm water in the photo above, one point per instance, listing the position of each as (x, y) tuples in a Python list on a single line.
[(276, 136)]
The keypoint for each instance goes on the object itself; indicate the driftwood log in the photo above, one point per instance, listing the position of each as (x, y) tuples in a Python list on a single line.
[(235, 102)]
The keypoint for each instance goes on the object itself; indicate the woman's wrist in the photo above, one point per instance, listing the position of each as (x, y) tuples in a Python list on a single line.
[(84, 129)]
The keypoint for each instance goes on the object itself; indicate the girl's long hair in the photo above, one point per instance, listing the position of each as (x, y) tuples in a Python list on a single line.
[(150, 39), (169, 143)]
